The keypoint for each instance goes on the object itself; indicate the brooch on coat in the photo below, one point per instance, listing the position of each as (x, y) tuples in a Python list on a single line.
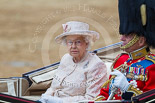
[(86, 65)]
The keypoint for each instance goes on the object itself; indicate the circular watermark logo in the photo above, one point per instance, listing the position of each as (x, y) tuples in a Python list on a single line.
[(71, 9)]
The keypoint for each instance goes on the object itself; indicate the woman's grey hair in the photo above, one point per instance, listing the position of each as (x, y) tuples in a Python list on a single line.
[(87, 39)]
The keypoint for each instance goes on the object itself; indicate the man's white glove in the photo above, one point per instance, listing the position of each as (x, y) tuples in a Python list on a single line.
[(120, 81), (50, 99)]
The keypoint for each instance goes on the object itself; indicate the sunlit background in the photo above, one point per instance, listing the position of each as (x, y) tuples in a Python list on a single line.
[(28, 29)]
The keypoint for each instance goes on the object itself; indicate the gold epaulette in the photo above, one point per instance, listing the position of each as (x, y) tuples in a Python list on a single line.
[(151, 58)]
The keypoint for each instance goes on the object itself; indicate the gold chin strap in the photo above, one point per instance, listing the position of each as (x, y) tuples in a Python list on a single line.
[(132, 42)]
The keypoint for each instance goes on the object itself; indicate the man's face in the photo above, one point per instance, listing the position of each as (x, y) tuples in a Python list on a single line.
[(126, 39)]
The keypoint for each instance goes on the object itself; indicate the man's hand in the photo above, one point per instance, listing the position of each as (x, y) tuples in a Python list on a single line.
[(120, 81)]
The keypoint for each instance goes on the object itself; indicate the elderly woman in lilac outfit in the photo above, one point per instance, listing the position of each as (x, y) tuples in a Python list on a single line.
[(80, 73)]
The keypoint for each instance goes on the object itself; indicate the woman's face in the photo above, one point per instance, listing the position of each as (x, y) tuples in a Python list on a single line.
[(76, 46)]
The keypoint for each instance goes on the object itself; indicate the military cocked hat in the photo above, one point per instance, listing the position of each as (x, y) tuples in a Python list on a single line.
[(138, 16)]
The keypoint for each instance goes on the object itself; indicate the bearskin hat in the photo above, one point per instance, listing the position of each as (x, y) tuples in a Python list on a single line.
[(135, 20)]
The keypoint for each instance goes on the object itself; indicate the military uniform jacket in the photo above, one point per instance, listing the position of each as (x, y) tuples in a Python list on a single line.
[(142, 70)]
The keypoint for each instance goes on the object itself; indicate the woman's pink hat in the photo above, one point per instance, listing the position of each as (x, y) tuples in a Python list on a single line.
[(77, 28)]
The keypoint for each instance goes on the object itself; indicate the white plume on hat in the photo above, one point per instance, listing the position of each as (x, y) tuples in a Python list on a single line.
[(77, 28)]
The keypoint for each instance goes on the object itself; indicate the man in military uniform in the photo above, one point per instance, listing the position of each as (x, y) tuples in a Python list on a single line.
[(134, 71)]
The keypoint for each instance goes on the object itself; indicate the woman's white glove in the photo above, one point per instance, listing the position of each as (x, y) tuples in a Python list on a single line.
[(120, 81), (50, 99)]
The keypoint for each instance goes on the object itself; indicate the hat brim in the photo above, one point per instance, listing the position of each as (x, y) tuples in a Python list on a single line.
[(93, 34)]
